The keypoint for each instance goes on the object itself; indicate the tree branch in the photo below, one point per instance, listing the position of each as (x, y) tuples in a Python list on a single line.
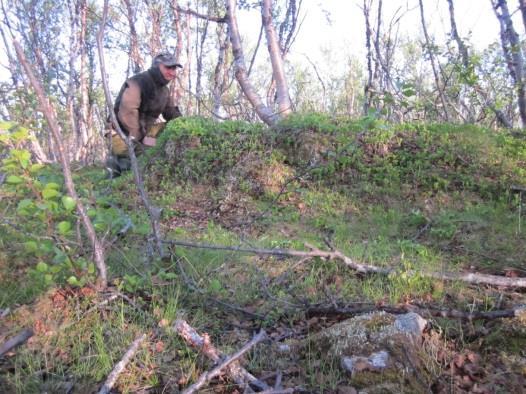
[(240, 375), (51, 117), (472, 277), (17, 340), (117, 370)]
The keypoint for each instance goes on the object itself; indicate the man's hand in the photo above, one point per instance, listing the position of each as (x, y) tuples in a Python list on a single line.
[(149, 141)]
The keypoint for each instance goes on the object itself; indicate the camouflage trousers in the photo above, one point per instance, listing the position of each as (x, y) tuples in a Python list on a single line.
[(119, 159)]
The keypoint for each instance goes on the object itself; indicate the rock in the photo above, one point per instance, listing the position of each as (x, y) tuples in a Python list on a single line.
[(346, 390), (378, 349), (375, 362), (411, 323)]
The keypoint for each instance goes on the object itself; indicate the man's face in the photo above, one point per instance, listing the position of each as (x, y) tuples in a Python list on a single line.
[(168, 72)]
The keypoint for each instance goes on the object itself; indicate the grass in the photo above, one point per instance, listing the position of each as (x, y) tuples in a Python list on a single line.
[(412, 197)]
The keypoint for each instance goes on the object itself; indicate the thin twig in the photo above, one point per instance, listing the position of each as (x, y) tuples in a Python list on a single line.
[(17, 340), (209, 375), (117, 370), (240, 375), (193, 286)]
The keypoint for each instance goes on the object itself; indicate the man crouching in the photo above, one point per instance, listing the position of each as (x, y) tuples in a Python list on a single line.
[(141, 100)]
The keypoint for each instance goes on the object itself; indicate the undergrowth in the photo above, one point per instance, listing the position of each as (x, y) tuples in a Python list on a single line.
[(413, 197)]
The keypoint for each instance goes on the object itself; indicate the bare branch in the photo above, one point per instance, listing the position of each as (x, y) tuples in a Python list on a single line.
[(240, 375), (470, 277), (17, 340), (121, 365), (218, 19)]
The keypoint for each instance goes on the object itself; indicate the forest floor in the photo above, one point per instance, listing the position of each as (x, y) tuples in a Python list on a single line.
[(411, 198)]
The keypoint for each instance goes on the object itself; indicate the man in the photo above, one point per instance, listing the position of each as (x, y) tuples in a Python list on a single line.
[(141, 100)]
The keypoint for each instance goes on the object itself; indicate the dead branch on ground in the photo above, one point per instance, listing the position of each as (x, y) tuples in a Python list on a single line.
[(470, 277), (17, 340), (121, 365), (239, 374)]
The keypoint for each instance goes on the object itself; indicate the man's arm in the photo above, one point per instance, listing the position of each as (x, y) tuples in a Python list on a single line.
[(128, 113), (171, 112)]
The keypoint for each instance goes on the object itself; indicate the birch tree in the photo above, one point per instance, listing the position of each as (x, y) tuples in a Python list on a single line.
[(513, 53)]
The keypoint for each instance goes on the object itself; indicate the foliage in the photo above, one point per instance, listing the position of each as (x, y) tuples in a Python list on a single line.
[(44, 218), (412, 197)]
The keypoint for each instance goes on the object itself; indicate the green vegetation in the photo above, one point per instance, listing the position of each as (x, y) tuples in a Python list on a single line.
[(414, 197)]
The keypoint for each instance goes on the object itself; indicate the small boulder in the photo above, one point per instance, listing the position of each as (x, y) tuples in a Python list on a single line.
[(378, 350)]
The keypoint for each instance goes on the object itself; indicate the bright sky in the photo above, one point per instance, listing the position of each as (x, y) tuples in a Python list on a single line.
[(339, 24)]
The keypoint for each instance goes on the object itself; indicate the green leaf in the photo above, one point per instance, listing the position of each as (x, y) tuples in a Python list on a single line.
[(55, 269), (73, 281), (68, 202), (64, 227), (31, 246), (49, 193), (35, 167), (42, 267), (48, 278), (215, 285), (14, 180), (91, 268), (52, 185), (92, 212), (24, 205)]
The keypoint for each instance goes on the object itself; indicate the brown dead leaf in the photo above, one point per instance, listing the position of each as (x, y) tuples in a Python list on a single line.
[(459, 360), (39, 327), (163, 323), (473, 357), (87, 291), (159, 346)]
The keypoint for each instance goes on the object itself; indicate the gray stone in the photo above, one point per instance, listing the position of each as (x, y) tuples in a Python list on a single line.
[(411, 323)]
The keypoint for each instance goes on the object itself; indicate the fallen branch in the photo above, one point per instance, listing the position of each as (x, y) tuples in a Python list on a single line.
[(239, 374), (471, 277), (17, 340), (425, 312), (117, 370), (4, 312), (209, 375)]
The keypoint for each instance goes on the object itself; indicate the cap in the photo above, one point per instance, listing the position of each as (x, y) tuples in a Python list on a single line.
[(167, 59)]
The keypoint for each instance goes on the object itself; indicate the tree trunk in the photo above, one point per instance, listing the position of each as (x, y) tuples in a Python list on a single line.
[(71, 102), (369, 87), (512, 53), (49, 113), (464, 57), (136, 59), (522, 7), (199, 63), (177, 87), (264, 113), (85, 121), (278, 70), (433, 64), (219, 72), (155, 11), (187, 75)]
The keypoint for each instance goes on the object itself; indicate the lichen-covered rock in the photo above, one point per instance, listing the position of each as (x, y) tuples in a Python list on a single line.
[(378, 351)]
